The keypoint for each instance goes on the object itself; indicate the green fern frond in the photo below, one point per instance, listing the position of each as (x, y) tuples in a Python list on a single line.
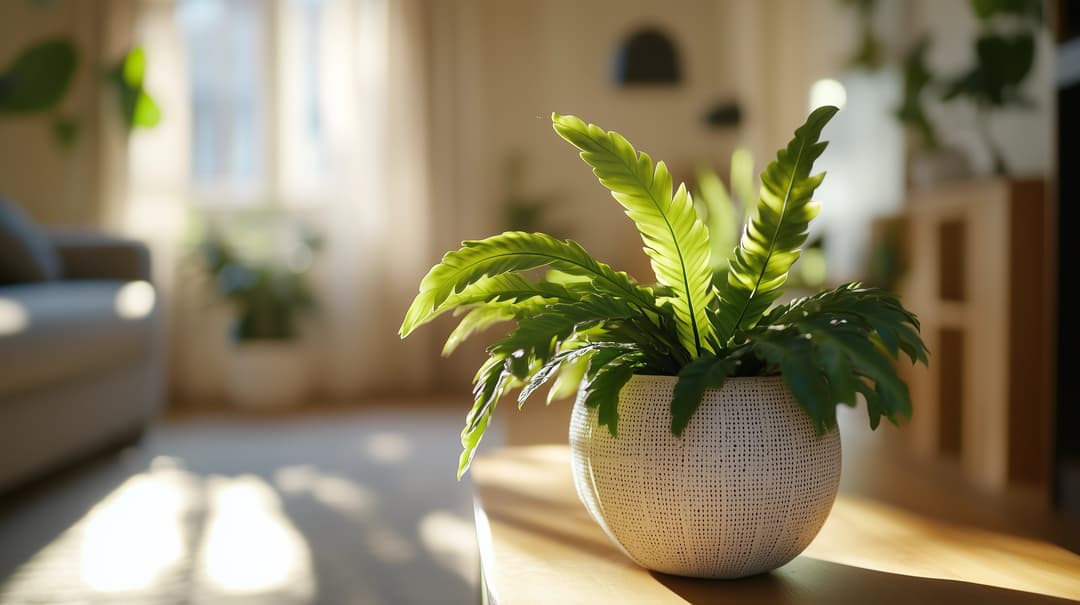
[(478, 319), (510, 288), (510, 252), (770, 244), (837, 343), (676, 241), (705, 372), (793, 354), (609, 371), (492, 381), (568, 380), (590, 328), (569, 357), (537, 337), (876, 310)]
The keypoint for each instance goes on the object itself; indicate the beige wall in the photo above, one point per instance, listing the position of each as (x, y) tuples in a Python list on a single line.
[(501, 67), (516, 62), (57, 184)]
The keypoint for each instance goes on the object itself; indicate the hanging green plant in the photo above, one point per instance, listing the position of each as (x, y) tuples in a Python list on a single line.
[(38, 78), (137, 108)]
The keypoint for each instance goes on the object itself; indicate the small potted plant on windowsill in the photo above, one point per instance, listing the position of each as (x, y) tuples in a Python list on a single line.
[(704, 436), (261, 272)]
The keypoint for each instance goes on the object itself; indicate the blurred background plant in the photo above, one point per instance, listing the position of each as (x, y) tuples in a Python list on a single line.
[(40, 76), (870, 52), (524, 211), (725, 211), (1004, 51), (259, 261)]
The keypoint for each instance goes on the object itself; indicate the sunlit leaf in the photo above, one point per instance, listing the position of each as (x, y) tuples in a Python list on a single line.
[(758, 268), (676, 241)]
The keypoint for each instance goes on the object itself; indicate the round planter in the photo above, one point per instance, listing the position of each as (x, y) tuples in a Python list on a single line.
[(743, 491), (266, 374)]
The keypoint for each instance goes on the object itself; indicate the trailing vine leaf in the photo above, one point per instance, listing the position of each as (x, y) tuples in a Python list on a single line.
[(508, 252), (676, 241), (759, 267)]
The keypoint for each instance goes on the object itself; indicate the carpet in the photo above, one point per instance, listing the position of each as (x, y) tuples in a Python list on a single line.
[(336, 507)]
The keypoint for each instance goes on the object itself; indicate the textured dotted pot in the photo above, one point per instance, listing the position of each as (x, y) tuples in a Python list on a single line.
[(743, 491)]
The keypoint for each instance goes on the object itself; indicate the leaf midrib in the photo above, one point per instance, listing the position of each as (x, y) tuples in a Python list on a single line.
[(678, 248), (772, 240)]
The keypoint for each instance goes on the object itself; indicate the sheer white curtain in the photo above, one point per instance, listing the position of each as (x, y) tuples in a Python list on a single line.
[(336, 135), (374, 83)]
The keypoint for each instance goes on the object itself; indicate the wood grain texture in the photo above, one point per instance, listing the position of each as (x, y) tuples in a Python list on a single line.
[(538, 545)]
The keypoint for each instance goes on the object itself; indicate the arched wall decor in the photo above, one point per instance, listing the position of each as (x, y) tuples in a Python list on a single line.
[(648, 56)]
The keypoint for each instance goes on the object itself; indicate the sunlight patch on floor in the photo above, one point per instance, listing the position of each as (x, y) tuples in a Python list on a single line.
[(390, 546), (338, 493), (136, 535), (451, 540), (250, 546), (13, 317), (388, 447), (344, 514)]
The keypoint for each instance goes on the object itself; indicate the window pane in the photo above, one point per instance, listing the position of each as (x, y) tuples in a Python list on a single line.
[(301, 121), (228, 54)]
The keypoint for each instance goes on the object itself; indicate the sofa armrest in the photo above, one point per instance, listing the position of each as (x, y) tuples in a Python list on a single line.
[(93, 255)]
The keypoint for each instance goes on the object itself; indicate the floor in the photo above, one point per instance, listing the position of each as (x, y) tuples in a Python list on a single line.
[(342, 507), (347, 506)]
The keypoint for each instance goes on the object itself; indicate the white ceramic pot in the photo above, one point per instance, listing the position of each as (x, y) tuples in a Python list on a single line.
[(743, 491), (267, 374)]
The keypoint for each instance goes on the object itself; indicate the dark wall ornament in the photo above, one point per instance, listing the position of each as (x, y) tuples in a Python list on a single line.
[(647, 57), (723, 114)]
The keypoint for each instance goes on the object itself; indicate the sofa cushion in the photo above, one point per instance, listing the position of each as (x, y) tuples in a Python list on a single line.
[(55, 331), (26, 254)]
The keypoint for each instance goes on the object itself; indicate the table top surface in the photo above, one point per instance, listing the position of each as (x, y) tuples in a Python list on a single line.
[(539, 545)]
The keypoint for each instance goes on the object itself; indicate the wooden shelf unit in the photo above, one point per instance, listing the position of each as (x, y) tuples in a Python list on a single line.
[(979, 263)]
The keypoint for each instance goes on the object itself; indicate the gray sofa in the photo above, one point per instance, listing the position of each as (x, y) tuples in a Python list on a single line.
[(80, 356)]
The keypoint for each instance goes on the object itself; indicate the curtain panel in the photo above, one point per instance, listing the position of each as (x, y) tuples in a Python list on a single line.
[(337, 131)]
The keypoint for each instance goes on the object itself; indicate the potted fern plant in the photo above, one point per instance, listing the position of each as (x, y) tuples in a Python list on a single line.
[(703, 436)]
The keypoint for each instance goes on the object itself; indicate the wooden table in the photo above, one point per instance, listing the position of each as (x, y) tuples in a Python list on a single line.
[(538, 545)]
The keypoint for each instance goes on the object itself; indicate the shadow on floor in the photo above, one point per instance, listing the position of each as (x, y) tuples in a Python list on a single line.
[(811, 581)]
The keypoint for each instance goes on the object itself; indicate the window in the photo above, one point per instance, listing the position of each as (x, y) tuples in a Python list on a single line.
[(253, 77)]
